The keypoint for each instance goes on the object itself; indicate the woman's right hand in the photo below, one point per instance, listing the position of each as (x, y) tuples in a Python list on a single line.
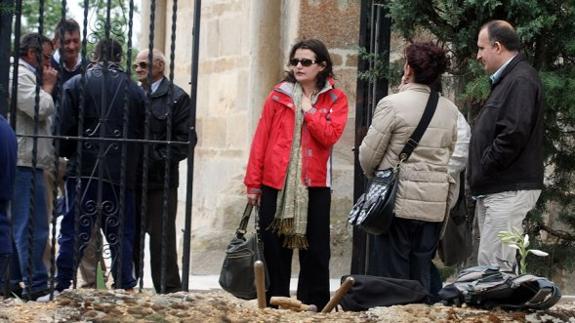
[(254, 199)]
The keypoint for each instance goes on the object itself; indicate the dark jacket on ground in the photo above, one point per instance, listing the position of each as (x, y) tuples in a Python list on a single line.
[(180, 113), (102, 117), (506, 149)]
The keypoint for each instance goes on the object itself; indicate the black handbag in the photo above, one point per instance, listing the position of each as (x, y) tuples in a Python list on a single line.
[(237, 275), (456, 245), (373, 210)]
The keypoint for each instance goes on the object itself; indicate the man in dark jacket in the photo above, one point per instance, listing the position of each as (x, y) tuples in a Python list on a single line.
[(506, 150), (67, 60), (167, 102), (106, 104), (8, 157)]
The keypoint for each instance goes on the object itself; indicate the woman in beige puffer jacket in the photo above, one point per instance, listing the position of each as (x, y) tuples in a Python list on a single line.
[(424, 183)]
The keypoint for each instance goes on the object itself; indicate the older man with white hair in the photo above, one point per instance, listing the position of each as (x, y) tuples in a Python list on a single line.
[(167, 102)]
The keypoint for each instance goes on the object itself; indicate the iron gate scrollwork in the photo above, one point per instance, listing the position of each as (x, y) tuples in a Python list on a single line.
[(102, 125)]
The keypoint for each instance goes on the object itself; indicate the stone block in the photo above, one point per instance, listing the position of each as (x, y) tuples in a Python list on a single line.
[(232, 31), (351, 60), (336, 59), (347, 81), (238, 136), (212, 28), (214, 132), (222, 94), (213, 9), (335, 22)]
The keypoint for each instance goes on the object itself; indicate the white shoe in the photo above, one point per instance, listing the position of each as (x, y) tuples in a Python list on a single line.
[(46, 298)]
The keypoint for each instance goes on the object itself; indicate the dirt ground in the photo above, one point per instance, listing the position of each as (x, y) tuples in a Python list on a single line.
[(85, 305)]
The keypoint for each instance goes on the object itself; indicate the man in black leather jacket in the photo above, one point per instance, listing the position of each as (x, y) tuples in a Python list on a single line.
[(506, 151), (106, 103), (170, 109)]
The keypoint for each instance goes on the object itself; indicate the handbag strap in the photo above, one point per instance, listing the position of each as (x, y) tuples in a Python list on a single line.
[(413, 141), (242, 228), (461, 185)]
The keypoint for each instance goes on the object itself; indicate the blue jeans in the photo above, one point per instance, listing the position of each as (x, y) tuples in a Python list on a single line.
[(110, 224), (21, 225), (5, 241)]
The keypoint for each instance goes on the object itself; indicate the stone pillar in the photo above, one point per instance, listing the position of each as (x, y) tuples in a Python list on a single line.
[(159, 24), (336, 23), (243, 52)]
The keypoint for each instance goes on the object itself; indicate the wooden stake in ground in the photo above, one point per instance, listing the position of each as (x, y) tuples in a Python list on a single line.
[(288, 303), (259, 271), (339, 294)]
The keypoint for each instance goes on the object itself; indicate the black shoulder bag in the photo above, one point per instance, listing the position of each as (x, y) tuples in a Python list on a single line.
[(456, 244), (237, 275), (373, 211)]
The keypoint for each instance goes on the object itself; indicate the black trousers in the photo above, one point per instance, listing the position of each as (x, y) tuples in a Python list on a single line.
[(153, 226), (405, 251), (313, 283)]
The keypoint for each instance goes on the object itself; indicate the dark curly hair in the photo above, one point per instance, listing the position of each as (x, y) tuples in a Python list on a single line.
[(109, 50), (427, 60), (321, 56)]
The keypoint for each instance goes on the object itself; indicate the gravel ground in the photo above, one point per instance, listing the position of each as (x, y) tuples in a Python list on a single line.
[(85, 305)]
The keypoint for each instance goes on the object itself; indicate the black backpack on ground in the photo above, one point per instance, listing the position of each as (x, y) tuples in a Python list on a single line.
[(488, 287), (373, 291)]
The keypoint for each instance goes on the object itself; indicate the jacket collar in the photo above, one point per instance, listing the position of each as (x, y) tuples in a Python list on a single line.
[(27, 65), (287, 88), (415, 87), (162, 89), (518, 58), (100, 65)]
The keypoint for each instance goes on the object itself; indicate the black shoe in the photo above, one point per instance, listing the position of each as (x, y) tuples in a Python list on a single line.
[(35, 294), (15, 292)]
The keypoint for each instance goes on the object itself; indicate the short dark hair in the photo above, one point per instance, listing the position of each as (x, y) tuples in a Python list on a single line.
[(66, 26), (427, 60), (108, 49), (321, 56), (503, 32), (33, 41)]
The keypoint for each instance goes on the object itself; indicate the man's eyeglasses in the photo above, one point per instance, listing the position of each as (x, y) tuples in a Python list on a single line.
[(304, 62), (143, 65)]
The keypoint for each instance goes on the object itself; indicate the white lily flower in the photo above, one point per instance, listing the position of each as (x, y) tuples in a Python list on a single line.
[(526, 241), (538, 252), (514, 246)]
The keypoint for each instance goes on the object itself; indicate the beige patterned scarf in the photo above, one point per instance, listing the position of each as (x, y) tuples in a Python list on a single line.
[(292, 202)]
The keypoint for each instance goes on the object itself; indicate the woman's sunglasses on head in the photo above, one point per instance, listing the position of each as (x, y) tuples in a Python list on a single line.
[(304, 62)]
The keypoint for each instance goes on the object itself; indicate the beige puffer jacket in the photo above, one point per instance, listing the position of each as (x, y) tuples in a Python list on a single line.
[(26, 96), (424, 183)]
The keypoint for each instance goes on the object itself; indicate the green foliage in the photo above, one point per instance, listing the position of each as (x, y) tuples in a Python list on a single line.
[(6, 8), (97, 23), (546, 29), (100, 280), (378, 67), (52, 14)]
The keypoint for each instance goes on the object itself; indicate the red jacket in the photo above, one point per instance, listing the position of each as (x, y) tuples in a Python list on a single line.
[(271, 145)]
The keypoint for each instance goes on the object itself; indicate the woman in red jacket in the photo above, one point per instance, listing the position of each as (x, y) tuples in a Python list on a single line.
[(289, 171)]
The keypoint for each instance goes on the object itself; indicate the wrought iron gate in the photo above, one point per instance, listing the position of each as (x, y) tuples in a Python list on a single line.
[(105, 143), (374, 36)]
